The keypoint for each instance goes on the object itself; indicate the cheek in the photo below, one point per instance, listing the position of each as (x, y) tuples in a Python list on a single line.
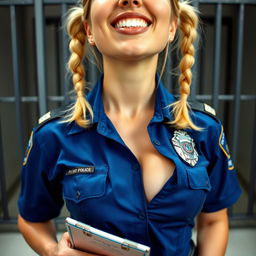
[(100, 11), (162, 12), (160, 7)]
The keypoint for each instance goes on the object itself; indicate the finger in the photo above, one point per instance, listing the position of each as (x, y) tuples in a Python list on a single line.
[(65, 240), (80, 253), (65, 236)]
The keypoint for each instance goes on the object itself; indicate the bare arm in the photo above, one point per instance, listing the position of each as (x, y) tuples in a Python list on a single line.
[(212, 233), (42, 239)]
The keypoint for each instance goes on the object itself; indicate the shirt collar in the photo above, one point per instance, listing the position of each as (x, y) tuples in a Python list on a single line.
[(163, 100), (162, 112)]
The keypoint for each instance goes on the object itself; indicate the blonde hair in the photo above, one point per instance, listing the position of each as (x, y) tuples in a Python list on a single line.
[(76, 31), (187, 21), (187, 24)]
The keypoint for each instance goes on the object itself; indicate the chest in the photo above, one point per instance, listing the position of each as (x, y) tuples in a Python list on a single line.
[(156, 168), (115, 184)]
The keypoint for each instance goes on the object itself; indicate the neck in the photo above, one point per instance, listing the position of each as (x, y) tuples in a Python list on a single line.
[(128, 87)]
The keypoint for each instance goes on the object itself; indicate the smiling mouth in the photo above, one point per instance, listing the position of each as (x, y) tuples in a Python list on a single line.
[(131, 23)]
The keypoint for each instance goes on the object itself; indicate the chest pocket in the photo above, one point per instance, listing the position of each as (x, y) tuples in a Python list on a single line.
[(198, 178), (81, 186)]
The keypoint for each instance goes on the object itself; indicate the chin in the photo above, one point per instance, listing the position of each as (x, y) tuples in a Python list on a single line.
[(134, 56), (138, 53)]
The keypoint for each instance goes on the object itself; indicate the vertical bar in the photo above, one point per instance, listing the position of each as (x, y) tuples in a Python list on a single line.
[(57, 56), (196, 65), (217, 57), (4, 198), (252, 179), (40, 48), (238, 85), (16, 78), (201, 60), (64, 9)]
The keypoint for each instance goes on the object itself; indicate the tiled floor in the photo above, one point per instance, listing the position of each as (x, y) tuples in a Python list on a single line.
[(242, 242)]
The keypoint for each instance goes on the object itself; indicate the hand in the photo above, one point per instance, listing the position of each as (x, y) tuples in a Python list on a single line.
[(64, 248)]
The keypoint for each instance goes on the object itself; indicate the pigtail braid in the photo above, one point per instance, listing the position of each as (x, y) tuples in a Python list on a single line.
[(77, 47), (187, 27)]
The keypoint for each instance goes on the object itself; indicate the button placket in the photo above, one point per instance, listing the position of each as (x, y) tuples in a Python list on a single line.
[(78, 194), (141, 215), (156, 142), (136, 167), (102, 127)]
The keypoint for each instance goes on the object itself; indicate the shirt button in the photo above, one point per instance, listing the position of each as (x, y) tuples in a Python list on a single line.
[(103, 128), (157, 142), (158, 116), (141, 216), (78, 194), (136, 167)]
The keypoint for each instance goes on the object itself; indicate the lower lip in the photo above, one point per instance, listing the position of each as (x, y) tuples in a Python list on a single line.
[(132, 30)]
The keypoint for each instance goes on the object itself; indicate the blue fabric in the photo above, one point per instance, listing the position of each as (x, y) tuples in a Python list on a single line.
[(111, 197)]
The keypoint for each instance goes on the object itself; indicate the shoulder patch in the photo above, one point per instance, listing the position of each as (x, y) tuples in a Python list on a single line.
[(56, 113), (225, 149), (28, 149), (204, 108), (209, 109), (223, 143), (45, 117)]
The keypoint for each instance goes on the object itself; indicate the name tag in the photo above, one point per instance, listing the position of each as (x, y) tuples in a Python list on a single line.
[(81, 170)]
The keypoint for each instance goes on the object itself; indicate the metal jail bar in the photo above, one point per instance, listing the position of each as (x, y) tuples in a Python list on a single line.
[(43, 98), (41, 75), (238, 84), (217, 59), (16, 71), (4, 198)]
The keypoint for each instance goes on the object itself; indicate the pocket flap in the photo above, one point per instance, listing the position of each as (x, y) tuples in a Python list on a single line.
[(79, 187), (198, 178)]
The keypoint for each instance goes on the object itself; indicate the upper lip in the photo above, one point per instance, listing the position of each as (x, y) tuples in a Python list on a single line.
[(128, 15)]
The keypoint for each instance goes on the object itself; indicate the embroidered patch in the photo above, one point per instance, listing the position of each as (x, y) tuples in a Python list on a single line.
[(230, 164), (81, 170), (224, 147), (185, 147), (28, 149), (209, 109), (223, 143), (44, 117)]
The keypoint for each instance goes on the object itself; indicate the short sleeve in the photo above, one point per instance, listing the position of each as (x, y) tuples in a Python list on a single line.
[(223, 177), (41, 193)]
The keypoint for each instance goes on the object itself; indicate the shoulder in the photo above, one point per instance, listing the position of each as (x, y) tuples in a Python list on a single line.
[(52, 124), (51, 115), (207, 110), (204, 115), (211, 134), (48, 136)]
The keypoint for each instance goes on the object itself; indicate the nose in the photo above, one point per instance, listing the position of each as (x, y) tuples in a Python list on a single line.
[(130, 3)]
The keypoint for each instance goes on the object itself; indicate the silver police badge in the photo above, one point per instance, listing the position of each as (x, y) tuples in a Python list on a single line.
[(185, 147)]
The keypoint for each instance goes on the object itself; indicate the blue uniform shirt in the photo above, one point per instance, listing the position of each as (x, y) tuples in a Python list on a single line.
[(101, 180)]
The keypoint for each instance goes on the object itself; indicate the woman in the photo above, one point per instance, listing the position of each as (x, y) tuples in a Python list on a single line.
[(130, 159)]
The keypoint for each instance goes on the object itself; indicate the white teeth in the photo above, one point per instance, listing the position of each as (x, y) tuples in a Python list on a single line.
[(128, 23)]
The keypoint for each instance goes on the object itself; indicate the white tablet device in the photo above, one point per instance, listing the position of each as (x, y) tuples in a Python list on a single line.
[(87, 238)]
